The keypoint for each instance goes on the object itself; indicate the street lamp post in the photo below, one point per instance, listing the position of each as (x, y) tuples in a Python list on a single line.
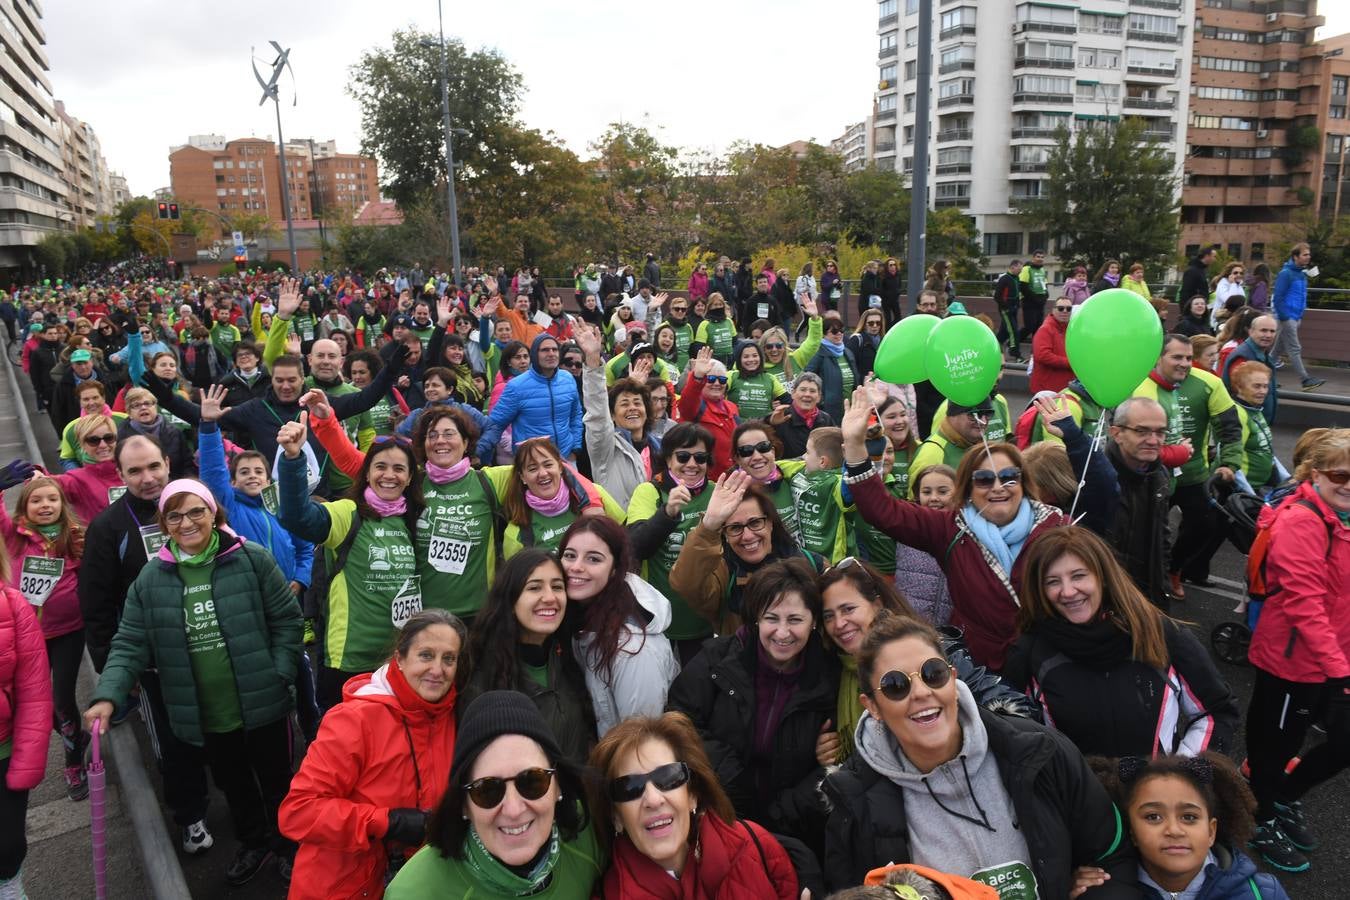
[(449, 149), (272, 92), (918, 200)]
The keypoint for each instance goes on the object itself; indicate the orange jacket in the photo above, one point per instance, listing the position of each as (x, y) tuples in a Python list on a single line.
[(382, 748), (959, 888)]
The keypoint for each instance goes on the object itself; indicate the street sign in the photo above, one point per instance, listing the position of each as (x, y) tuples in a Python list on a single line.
[(239, 249)]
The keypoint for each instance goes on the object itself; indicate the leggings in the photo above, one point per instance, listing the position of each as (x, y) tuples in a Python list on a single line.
[(13, 836), (1278, 719), (64, 654)]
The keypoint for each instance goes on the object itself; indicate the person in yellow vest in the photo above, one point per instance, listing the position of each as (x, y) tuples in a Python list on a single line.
[(959, 428)]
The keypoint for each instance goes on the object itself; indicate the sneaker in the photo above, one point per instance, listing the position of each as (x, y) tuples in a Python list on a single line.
[(1295, 825), (1174, 582), (196, 839), (1280, 364), (309, 632), (1271, 845), (1313, 384), (77, 784), (247, 862)]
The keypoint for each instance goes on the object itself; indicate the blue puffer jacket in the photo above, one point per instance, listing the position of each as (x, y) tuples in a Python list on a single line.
[(1234, 877), (537, 405), (247, 515), (406, 427), (1291, 292)]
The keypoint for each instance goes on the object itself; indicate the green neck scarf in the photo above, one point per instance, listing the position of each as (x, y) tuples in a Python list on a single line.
[(208, 554), (848, 708), (50, 532), (493, 874)]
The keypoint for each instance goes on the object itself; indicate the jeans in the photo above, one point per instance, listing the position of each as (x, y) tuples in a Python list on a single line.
[(253, 771), (1287, 342)]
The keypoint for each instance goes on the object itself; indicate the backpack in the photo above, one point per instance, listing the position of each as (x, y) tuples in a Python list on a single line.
[(1258, 588)]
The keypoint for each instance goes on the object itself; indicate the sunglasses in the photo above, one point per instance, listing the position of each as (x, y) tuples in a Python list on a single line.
[(775, 346), (985, 477), (398, 439), (488, 793), (1335, 476), (698, 456), (745, 451), (571, 363), (935, 672), (666, 778), (94, 440), (835, 329), (717, 379), (758, 525), (1063, 309)]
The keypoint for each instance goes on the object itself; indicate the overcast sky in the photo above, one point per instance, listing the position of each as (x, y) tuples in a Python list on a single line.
[(147, 74)]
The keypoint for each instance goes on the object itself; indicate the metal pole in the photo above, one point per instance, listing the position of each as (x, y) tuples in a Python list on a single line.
[(918, 201), (449, 151), (286, 191)]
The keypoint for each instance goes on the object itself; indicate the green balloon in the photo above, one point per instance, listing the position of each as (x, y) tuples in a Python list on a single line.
[(900, 358), (46, 282), (963, 359), (1113, 342)]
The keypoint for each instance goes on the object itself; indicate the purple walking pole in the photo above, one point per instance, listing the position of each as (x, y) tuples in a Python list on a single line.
[(97, 826)]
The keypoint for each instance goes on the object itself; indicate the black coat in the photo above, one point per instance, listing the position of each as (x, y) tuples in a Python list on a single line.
[(114, 555), (1065, 814), (716, 689), (182, 462), (1194, 283), (1138, 530), (864, 352), (794, 432), (891, 288), (868, 286)]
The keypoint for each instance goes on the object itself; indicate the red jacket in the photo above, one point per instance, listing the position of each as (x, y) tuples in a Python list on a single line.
[(60, 614), (1050, 370), (382, 748), (25, 692), (719, 418), (1303, 634), (729, 865), (87, 488), (984, 600)]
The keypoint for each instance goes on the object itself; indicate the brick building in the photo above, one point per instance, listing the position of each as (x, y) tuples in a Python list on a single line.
[(343, 181), (1333, 121)]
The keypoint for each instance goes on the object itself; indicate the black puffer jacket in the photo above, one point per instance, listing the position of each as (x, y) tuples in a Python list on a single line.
[(990, 691), (1064, 813), (717, 691), (1138, 530)]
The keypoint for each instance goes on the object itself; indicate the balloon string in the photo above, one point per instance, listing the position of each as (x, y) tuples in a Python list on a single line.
[(1096, 443)]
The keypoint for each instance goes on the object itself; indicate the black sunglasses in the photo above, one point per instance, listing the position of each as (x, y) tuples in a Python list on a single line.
[(775, 346), (666, 778), (985, 477), (745, 451), (488, 793), (571, 363), (94, 440), (835, 329), (1063, 309), (698, 456), (935, 672), (717, 379)]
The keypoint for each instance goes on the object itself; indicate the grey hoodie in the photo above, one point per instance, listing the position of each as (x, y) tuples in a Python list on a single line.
[(937, 804)]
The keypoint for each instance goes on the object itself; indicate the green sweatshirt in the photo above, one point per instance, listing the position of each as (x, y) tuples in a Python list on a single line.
[(212, 671), (1199, 408), (685, 624), (754, 394), (820, 507)]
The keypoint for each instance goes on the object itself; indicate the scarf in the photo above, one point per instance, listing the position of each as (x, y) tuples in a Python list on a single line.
[(497, 878), (447, 474), (1112, 279), (833, 349), (807, 415), (553, 507), (848, 708), (717, 847), (1162, 382), (1004, 541), (196, 560), (385, 507), (1099, 645), (48, 532), (694, 489)]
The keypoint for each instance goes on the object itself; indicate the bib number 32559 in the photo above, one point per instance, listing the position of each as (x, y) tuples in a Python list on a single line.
[(445, 553)]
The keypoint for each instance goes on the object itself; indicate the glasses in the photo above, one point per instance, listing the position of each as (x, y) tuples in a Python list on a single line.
[(679, 309), (935, 672), (745, 451), (666, 778), (985, 477), (398, 439), (717, 379), (142, 404), (1141, 431), (94, 440), (449, 434), (1335, 476), (1063, 309), (835, 329), (845, 563), (698, 456), (488, 793), (775, 346), (571, 364), (758, 524), (197, 514)]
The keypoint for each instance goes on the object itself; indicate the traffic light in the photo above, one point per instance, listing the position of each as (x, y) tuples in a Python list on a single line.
[(164, 210), (173, 211), (241, 262)]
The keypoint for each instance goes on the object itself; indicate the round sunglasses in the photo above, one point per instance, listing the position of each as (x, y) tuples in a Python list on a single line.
[(488, 793), (935, 672)]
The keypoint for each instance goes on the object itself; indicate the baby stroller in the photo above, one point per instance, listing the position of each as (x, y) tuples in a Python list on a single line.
[(1238, 511)]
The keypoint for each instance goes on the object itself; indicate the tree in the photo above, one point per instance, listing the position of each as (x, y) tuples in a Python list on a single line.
[(1329, 242), (1108, 195), (875, 208), (640, 187), (398, 88), (50, 252), (952, 236)]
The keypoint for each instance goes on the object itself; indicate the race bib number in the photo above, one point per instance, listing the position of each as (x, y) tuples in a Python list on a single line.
[(447, 554), (761, 310), (1013, 880), (307, 333), (152, 539), (271, 498), (874, 301), (115, 493), (39, 578), (835, 293), (407, 603)]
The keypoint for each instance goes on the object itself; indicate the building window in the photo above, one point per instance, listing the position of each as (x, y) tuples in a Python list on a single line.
[(1159, 25), (1258, 251), (218, 164), (884, 103), (1230, 122), (911, 69), (1099, 23), (911, 7), (1336, 112), (1340, 85), (888, 42), (957, 21), (1005, 243), (1042, 84), (884, 8), (1094, 58), (911, 37), (1046, 15), (888, 73), (1224, 64), (909, 103), (909, 134), (1098, 92)]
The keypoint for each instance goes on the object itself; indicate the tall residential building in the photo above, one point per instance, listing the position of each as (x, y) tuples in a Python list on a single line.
[(855, 145), (1333, 195), (343, 183), (32, 192), (1258, 86), (84, 170), (1040, 64)]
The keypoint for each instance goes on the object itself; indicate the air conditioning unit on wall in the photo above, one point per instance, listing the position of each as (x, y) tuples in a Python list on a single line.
[(1261, 133), (1271, 17)]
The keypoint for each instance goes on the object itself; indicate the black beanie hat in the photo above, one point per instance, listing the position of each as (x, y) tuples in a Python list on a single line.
[(492, 715)]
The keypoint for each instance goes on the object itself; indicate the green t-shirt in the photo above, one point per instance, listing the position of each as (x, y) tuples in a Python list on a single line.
[(455, 544), (212, 670), (820, 513), (224, 337), (548, 530), (381, 591), (684, 336), (785, 501), (721, 336), (303, 324), (1257, 446), (1191, 407), (382, 416), (754, 395), (685, 624)]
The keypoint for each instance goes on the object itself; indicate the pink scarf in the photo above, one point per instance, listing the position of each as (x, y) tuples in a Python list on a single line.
[(447, 474), (385, 507), (552, 507)]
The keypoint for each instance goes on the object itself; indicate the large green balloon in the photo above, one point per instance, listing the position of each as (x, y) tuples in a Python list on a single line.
[(1113, 341), (900, 358), (963, 359)]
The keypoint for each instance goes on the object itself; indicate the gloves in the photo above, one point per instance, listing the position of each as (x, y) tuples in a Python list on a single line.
[(407, 826), (17, 472), (399, 358)]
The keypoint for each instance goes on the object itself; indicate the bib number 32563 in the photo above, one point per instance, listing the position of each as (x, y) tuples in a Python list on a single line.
[(447, 554), (407, 603), (38, 578)]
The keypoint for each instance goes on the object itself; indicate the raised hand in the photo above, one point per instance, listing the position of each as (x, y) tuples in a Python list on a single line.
[(658, 300), (856, 413), (493, 304), (292, 436), (211, 407), (780, 415), (293, 344), (17, 472), (288, 300), (1052, 409), (726, 496), (702, 363), (679, 497), (808, 305), (589, 340), (443, 311), (641, 370), (316, 401)]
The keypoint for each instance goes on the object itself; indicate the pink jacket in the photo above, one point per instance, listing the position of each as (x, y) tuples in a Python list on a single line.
[(25, 692), (698, 286), (1303, 634), (87, 488), (61, 613)]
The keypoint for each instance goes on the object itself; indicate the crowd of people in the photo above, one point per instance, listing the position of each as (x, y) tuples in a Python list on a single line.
[(454, 590)]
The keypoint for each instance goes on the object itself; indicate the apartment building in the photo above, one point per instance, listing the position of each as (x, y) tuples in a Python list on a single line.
[(1259, 106), (89, 193), (854, 146), (1038, 66), (1333, 195)]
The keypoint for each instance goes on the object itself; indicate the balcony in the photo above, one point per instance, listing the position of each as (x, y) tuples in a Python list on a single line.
[(956, 100), (1041, 62), (1028, 167), (957, 31), (1050, 27), (1147, 103), (888, 147), (1155, 134), (958, 202), (888, 52), (885, 115), (1152, 71), (1024, 97), (1174, 5), (953, 169), (888, 20), (1033, 132), (1156, 37), (954, 134), (947, 68)]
